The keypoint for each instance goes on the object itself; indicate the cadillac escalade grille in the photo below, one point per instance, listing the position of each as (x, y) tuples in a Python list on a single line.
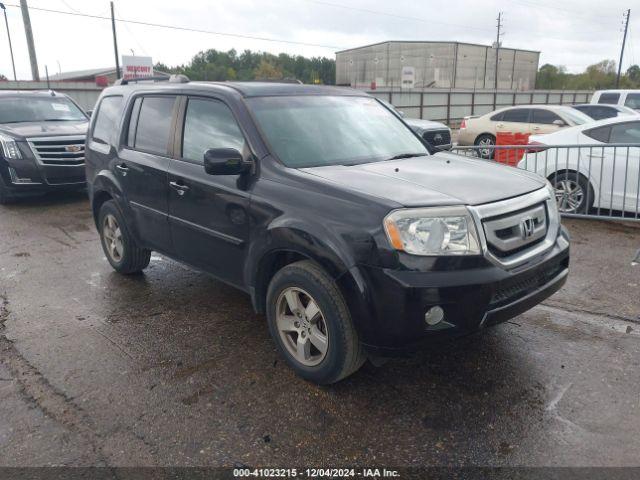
[(437, 137), (516, 231), (58, 150)]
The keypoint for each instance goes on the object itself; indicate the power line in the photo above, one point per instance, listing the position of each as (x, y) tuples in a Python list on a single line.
[(529, 3), (185, 29), (394, 15)]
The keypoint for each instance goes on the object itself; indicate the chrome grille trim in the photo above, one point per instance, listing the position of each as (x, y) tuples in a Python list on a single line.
[(506, 233), (54, 151), (525, 203)]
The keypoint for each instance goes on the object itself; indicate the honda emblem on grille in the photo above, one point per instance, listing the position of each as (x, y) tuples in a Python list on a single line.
[(72, 148), (527, 226)]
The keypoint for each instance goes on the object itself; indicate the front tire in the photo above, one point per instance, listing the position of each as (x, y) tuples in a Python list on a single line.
[(574, 193), (310, 322), (120, 248), (485, 140)]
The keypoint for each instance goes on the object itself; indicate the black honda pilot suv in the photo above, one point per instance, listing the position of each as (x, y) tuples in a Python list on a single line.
[(42, 135), (326, 209)]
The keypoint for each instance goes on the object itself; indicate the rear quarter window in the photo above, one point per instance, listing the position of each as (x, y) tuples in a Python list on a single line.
[(600, 134), (107, 118)]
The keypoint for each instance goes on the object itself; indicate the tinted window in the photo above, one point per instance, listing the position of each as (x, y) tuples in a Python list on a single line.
[(520, 115), (107, 119), (626, 133), (600, 134), (133, 122), (497, 117), (154, 125), (633, 101), (599, 112), (544, 116), (611, 98), (209, 124)]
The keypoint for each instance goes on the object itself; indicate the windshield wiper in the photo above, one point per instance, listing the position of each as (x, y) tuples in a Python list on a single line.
[(60, 120), (406, 155)]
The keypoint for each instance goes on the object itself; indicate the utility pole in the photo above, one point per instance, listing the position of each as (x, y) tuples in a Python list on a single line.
[(498, 47), (13, 63), (30, 45), (115, 41), (626, 15)]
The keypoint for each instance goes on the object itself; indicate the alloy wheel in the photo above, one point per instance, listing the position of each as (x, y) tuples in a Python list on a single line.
[(302, 326), (112, 235), (569, 195)]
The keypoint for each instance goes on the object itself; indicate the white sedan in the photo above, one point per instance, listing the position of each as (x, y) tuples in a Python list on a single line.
[(596, 165)]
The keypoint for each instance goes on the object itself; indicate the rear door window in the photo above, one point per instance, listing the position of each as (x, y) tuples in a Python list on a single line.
[(104, 129), (497, 117), (633, 101), (610, 98), (543, 116), (153, 132), (518, 115)]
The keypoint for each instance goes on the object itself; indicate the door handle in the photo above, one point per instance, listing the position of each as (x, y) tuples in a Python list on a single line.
[(536, 128), (123, 169), (178, 187), (500, 125)]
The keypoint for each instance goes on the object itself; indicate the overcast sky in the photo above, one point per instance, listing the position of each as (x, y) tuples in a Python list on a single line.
[(574, 33)]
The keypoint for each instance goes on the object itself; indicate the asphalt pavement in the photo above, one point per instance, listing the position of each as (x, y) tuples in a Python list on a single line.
[(174, 368)]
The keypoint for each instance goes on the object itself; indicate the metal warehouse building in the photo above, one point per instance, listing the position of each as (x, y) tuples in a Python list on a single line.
[(418, 65)]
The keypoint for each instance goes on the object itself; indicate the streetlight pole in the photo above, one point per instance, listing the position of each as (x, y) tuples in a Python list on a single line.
[(13, 63)]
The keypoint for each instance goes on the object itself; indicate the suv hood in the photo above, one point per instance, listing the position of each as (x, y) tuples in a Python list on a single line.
[(43, 129), (425, 124), (440, 179)]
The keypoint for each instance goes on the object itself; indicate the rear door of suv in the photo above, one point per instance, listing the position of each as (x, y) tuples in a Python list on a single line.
[(208, 214), (142, 166)]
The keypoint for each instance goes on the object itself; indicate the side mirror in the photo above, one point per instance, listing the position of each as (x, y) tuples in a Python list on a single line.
[(401, 113), (559, 123), (224, 161), (89, 113)]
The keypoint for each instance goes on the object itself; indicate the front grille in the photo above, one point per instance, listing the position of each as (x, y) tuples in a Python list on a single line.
[(515, 232), (512, 290), (65, 151), (437, 137)]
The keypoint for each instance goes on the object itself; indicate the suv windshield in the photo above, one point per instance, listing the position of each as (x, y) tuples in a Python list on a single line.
[(332, 130), (39, 109)]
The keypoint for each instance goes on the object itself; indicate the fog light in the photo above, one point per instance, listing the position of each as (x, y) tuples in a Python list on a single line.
[(434, 316)]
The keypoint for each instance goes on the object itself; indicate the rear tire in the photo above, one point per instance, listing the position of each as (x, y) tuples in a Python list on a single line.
[(485, 139), (120, 248), (572, 191), (316, 337)]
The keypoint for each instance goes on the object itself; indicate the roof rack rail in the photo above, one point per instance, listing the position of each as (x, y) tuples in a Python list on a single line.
[(172, 78)]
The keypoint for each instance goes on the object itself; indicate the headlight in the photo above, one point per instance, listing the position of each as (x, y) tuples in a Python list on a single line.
[(9, 147), (433, 231)]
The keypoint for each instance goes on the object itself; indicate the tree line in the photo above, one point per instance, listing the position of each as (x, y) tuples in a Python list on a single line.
[(599, 76), (214, 65)]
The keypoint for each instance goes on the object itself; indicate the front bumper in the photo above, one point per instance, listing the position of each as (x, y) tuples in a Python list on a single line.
[(26, 176), (472, 298)]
